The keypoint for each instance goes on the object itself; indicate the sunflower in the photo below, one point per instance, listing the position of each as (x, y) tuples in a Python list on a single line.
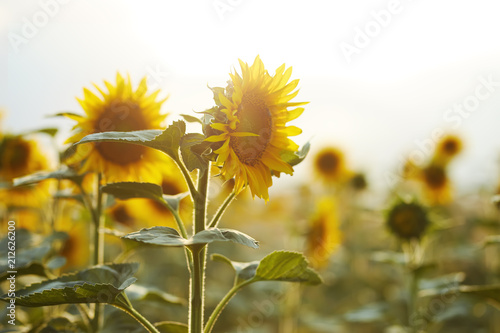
[(76, 247), (330, 166), (449, 147), (21, 157), (119, 109), (249, 126), (437, 186), (324, 235), (408, 220)]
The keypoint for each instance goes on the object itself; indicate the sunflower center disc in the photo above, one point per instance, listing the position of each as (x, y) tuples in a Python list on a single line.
[(255, 118), (328, 163), (120, 117), (435, 177), (20, 156)]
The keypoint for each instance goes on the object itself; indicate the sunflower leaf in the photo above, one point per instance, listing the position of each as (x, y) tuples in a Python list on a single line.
[(490, 292), (286, 266), (99, 284), (175, 200), (169, 140), (171, 327), (244, 270), (34, 178), (191, 119), (193, 148), (131, 190), (141, 293), (165, 236), (49, 131), (216, 91), (32, 252), (294, 158)]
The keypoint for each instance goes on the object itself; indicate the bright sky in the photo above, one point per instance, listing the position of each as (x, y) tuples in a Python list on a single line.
[(380, 76)]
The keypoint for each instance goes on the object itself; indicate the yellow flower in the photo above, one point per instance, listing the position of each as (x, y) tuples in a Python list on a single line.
[(324, 235), (449, 147), (250, 127), (76, 247), (408, 220), (437, 186), (329, 165), (120, 109), (21, 157)]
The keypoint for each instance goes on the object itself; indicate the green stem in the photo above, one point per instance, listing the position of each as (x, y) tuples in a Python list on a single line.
[(137, 316), (180, 223), (98, 255), (197, 290), (221, 210), (196, 301), (222, 304), (187, 177)]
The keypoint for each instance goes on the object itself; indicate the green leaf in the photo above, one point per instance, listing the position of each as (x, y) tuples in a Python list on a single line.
[(167, 141), (244, 270), (489, 292), (32, 251), (171, 327), (141, 293), (194, 151), (165, 236), (49, 131), (191, 119), (175, 200), (294, 158), (34, 178), (276, 266), (99, 284), (216, 91), (131, 190), (491, 240), (286, 266)]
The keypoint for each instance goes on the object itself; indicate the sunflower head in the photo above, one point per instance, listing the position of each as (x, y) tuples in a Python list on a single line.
[(436, 184), (249, 127), (358, 182), (449, 147), (119, 109), (20, 157), (407, 220), (329, 165), (324, 235)]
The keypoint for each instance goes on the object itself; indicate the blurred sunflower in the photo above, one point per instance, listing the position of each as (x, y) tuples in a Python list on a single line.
[(119, 109), (324, 235), (330, 166), (21, 157), (449, 147), (436, 185), (76, 247), (408, 220), (250, 126)]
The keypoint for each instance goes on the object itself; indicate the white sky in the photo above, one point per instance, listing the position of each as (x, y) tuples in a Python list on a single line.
[(377, 107)]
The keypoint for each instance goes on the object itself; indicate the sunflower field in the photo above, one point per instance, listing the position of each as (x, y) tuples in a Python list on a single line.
[(144, 221)]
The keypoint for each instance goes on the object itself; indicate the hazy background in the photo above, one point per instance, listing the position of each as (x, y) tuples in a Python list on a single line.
[(377, 106)]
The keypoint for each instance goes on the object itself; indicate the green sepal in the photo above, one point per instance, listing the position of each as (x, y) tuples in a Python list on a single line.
[(294, 158)]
